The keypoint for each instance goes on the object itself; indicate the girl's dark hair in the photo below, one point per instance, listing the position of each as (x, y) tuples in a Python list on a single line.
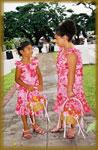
[(68, 28), (22, 46)]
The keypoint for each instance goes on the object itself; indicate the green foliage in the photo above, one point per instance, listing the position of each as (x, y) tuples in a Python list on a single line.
[(82, 23), (9, 44), (8, 81), (17, 41), (90, 23), (92, 126), (36, 20), (88, 5), (33, 20)]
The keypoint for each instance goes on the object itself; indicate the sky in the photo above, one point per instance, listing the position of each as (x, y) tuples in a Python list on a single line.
[(77, 9)]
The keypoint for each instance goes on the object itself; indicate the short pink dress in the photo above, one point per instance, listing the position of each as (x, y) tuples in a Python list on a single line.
[(62, 70), (28, 76)]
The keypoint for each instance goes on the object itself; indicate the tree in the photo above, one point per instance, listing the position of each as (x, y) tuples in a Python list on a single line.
[(81, 22), (89, 5), (90, 25), (91, 22), (33, 21)]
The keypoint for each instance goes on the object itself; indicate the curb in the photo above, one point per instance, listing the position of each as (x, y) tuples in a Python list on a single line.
[(8, 96)]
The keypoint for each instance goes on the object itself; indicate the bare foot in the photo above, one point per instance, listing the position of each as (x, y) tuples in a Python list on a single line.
[(71, 133), (55, 130)]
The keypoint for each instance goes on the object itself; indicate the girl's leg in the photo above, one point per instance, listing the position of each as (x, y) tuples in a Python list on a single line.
[(24, 119), (58, 126), (33, 119), (26, 128), (62, 124), (35, 126)]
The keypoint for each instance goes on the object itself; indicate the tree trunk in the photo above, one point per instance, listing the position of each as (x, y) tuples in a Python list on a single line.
[(37, 40)]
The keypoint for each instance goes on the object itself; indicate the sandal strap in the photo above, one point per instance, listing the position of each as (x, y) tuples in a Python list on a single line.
[(41, 130), (27, 135), (70, 134), (25, 130), (33, 124), (56, 129), (37, 128)]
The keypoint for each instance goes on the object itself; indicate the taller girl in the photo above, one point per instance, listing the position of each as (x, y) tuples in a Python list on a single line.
[(70, 71)]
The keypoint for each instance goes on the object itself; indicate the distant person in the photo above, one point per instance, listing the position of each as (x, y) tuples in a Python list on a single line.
[(44, 48), (47, 47)]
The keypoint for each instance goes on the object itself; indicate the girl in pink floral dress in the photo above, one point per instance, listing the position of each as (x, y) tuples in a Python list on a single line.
[(70, 72), (27, 77)]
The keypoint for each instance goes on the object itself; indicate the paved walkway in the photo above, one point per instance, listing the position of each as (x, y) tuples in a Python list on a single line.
[(13, 126)]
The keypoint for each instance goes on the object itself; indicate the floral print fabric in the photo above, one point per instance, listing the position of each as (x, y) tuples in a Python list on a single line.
[(62, 70), (28, 76)]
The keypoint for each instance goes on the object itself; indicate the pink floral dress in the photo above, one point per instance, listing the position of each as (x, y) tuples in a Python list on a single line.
[(62, 70), (28, 76)]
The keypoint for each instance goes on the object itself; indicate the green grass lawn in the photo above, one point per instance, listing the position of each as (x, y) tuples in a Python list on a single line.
[(89, 84), (54, 54), (8, 81)]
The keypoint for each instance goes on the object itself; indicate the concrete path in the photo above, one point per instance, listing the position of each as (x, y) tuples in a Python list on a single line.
[(12, 127)]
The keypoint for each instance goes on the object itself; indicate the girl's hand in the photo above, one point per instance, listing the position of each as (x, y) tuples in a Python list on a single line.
[(30, 88), (70, 94), (40, 88)]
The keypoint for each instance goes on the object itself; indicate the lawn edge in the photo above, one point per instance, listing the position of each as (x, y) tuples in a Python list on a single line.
[(8, 96)]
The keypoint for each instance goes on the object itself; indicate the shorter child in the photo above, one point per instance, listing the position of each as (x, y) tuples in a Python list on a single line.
[(27, 77)]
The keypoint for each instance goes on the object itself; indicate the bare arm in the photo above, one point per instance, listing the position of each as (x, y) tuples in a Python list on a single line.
[(39, 78), (72, 60)]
